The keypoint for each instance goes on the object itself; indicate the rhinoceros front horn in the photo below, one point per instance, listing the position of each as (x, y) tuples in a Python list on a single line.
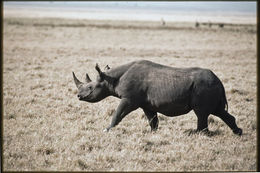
[(77, 82)]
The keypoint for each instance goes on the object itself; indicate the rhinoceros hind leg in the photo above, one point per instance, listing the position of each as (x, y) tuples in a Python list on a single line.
[(230, 121), (152, 118), (202, 124)]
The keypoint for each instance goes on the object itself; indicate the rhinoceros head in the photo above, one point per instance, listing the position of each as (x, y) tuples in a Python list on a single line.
[(92, 91)]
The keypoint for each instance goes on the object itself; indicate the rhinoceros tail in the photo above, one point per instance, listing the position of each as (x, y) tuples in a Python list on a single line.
[(225, 98)]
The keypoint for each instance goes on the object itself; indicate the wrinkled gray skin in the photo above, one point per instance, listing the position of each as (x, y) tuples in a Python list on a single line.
[(158, 88)]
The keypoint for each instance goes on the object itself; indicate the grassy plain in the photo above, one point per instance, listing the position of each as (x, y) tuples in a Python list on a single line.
[(45, 126)]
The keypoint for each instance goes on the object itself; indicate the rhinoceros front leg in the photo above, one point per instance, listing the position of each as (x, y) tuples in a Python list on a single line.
[(124, 108)]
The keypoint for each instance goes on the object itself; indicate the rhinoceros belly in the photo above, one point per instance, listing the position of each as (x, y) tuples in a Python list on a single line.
[(174, 107), (173, 110)]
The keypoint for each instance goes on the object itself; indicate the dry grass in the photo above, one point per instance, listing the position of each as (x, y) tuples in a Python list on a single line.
[(47, 128)]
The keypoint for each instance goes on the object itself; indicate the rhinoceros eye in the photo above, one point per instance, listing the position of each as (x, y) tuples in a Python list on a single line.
[(90, 87)]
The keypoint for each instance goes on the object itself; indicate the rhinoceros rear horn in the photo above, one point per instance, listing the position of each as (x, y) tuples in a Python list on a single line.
[(77, 82)]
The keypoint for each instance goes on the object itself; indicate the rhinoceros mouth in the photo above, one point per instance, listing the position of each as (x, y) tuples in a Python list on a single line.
[(85, 98), (81, 98)]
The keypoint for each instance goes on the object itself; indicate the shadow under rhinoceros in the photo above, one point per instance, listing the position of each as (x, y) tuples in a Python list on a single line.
[(206, 132)]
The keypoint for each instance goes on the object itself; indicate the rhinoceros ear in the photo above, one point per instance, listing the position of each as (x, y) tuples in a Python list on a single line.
[(98, 69), (102, 75), (107, 68), (87, 78), (77, 82)]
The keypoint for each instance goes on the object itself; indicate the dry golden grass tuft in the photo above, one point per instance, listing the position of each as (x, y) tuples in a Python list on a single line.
[(47, 128)]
